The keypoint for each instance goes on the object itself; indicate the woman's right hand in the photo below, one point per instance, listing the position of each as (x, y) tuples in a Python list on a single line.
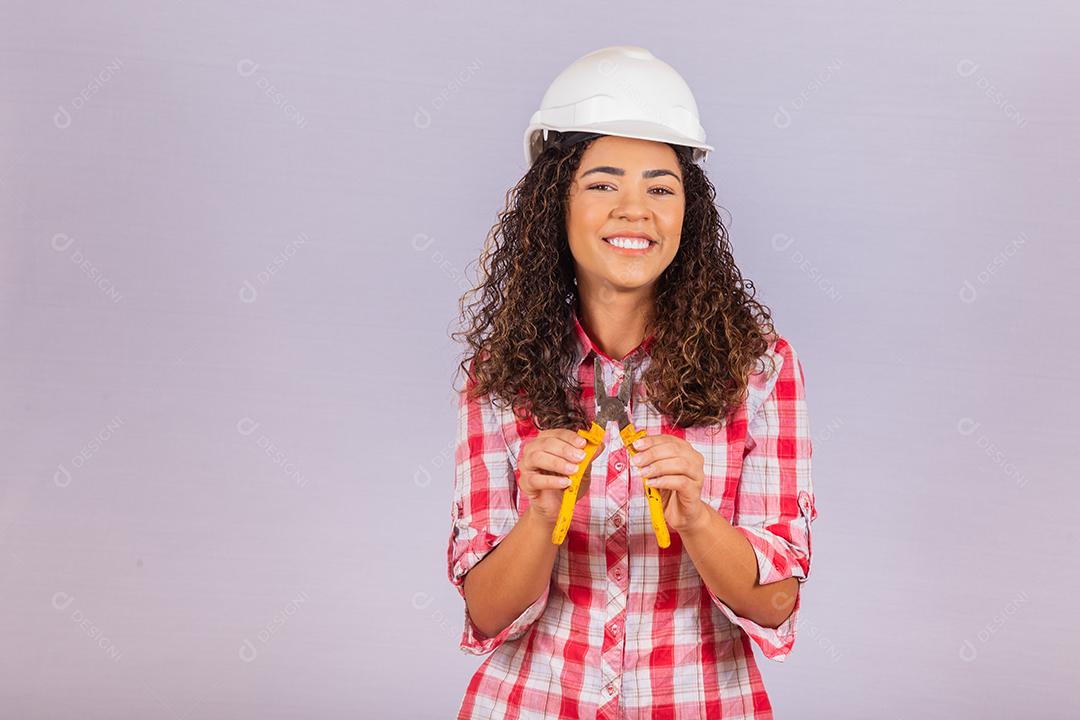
[(546, 462)]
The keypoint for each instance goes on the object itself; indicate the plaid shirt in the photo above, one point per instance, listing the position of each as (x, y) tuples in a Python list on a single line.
[(626, 629)]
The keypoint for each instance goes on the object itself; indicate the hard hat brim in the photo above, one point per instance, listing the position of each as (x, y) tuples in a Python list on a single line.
[(637, 129)]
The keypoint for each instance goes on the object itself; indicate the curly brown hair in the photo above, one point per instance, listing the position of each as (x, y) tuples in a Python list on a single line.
[(710, 331)]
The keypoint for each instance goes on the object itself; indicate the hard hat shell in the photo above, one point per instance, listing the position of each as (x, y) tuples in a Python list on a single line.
[(620, 90)]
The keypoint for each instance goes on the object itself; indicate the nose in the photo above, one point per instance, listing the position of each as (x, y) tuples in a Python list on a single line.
[(631, 208)]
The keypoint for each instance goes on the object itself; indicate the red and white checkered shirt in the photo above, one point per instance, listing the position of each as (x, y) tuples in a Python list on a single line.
[(626, 629)]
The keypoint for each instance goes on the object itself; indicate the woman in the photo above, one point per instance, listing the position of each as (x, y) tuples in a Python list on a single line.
[(611, 258)]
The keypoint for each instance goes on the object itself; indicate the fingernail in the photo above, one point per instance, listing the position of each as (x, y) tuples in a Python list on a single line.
[(580, 454), (566, 482), (569, 467), (579, 441)]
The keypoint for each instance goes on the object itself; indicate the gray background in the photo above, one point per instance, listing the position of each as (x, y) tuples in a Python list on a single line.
[(233, 244)]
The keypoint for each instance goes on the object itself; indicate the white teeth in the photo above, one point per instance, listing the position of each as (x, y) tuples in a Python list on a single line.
[(629, 243)]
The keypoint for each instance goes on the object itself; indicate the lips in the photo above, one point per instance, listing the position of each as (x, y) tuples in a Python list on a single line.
[(627, 249)]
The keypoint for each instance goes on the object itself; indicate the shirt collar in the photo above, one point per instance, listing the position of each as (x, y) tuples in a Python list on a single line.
[(586, 347)]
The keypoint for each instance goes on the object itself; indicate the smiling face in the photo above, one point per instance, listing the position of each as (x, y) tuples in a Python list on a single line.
[(630, 189)]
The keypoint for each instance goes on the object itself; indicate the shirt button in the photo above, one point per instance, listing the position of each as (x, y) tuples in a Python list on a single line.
[(618, 573), (610, 689), (619, 466), (617, 520), (615, 631)]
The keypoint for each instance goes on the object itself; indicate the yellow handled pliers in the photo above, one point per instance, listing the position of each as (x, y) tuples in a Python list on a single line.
[(608, 408)]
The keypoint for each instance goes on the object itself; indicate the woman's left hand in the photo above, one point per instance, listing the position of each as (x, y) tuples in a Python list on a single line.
[(672, 465)]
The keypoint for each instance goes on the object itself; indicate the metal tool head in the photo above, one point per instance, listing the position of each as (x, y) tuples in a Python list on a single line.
[(612, 407)]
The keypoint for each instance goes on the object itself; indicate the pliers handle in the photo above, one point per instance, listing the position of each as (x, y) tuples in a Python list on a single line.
[(593, 437), (652, 495)]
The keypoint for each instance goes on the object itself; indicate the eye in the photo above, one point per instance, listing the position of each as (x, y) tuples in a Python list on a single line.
[(600, 185)]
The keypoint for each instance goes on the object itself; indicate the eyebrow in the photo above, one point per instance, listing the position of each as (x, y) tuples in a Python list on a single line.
[(620, 172)]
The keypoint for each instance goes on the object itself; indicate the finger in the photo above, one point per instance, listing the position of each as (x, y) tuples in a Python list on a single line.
[(570, 437), (561, 446), (576, 454), (664, 466), (548, 481), (648, 441), (674, 483), (654, 453), (552, 463)]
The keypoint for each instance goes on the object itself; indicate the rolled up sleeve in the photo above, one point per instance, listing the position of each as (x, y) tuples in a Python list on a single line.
[(775, 498), (483, 512)]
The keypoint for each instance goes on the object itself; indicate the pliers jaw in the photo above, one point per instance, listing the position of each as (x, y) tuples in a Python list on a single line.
[(611, 407)]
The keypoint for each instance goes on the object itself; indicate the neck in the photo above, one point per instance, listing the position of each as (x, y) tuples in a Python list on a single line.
[(616, 322)]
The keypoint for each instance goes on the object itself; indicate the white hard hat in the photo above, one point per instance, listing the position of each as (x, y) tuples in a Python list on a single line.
[(621, 90)]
